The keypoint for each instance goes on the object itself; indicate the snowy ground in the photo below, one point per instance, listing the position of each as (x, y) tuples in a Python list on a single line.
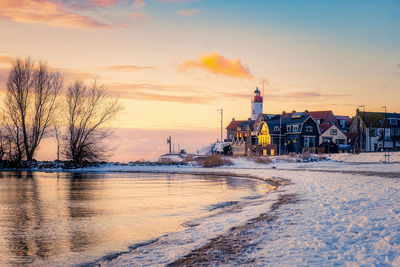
[(338, 213)]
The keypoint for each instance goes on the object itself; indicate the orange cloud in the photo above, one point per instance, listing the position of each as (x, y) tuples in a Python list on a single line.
[(220, 65), (187, 12), (45, 12)]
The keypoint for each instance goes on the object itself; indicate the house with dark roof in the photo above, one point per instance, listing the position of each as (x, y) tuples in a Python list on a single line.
[(321, 117), (295, 132), (343, 123), (377, 131)]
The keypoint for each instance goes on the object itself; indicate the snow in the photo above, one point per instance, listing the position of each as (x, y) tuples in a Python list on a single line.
[(345, 215), (212, 148), (365, 157)]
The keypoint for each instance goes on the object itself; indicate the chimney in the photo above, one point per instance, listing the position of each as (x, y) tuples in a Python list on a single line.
[(306, 111), (233, 119)]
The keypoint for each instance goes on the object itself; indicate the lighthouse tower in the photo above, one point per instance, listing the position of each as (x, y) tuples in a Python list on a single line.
[(256, 104)]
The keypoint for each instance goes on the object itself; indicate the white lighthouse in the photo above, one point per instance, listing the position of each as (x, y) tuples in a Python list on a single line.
[(256, 104)]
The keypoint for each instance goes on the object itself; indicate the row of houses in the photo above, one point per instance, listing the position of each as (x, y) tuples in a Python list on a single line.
[(312, 131)]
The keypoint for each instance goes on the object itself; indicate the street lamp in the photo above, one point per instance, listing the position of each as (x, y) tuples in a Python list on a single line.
[(221, 110), (359, 126)]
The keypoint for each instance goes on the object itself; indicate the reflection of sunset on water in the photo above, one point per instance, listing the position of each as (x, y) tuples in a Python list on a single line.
[(50, 218)]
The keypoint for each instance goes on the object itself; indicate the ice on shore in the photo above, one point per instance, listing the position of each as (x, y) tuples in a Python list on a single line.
[(342, 218)]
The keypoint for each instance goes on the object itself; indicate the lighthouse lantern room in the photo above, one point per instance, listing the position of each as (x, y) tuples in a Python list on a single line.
[(256, 104)]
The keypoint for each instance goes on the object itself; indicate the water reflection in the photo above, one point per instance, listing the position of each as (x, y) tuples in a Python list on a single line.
[(70, 218)]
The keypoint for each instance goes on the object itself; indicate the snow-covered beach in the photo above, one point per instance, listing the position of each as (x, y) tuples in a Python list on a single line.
[(323, 213)]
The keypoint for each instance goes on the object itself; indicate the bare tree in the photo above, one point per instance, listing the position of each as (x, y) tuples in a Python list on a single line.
[(30, 105), (90, 110)]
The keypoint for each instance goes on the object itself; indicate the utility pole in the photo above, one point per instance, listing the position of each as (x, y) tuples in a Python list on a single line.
[(384, 127), (169, 142), (359, 126), (221, 110), (280, 134)]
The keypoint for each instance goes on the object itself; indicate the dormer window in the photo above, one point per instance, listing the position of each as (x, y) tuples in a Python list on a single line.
[(295, 128), (276, 129), (288, 128), (309, 129)]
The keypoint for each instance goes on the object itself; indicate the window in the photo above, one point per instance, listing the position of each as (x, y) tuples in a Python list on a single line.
[(333, 132), (295, 128), (326, 139), (276, 129), (288, 128), (340, 141), (393, 121), (309, 129)]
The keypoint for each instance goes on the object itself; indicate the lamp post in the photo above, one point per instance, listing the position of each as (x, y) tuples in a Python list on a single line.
[(280, 134), (221, 110), (359, 126), (384, 127)]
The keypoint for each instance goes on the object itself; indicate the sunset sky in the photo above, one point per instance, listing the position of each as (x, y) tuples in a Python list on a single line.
[(173, 63)]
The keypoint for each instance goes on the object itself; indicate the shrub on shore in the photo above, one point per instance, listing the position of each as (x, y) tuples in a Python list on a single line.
[(214, 161), (263, 160)]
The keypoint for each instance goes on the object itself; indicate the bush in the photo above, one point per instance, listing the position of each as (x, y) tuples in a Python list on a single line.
[(263, 160), (214, 161)]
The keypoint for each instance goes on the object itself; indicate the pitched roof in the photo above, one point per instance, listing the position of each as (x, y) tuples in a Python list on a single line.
[(320, 114), (246, 123), (233, 124), (315, 114), (324, 127), (373, 119), (346, 118)]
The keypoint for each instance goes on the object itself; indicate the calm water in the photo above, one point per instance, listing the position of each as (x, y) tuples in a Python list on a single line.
[(66, 218)]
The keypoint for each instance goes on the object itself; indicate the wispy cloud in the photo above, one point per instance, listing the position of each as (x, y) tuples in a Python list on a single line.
[(217, 64), (104, 3), (161, 92), (139, 3), (45, 12), (295, 96), (74, 74), (6, 59), (139, 15), (177, 1), (187, 12), (126, 67)]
